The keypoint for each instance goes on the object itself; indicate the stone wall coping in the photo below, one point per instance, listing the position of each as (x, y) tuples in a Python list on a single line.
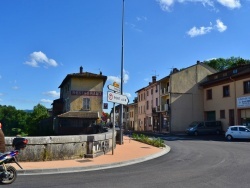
[(42, 140)]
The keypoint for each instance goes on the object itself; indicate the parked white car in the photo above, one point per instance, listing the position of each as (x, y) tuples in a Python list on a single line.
[(237, 132)]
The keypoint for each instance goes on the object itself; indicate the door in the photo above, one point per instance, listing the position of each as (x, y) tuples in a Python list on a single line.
[(231, 117), (244, 133), (234, 131)]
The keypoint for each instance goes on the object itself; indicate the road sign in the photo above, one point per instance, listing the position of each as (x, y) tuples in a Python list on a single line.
[(113, 88), (117, 98)]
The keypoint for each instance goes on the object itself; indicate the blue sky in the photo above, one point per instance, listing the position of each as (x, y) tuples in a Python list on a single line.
[(41, 41)]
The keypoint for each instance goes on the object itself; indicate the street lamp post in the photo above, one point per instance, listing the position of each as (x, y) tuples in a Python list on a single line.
[(122, 59)]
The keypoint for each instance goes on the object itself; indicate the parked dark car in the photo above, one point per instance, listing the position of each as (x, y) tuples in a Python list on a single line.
[(204, 127)]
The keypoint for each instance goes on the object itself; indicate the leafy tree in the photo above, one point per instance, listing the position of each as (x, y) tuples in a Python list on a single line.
[(223, 64), (20, 122), (39, 113), (14, 121)]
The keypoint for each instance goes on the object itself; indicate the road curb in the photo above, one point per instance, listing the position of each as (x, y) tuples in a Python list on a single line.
[(164, 151)]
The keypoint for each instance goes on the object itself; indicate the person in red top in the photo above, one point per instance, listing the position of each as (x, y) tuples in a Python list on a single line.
[(2, 140)]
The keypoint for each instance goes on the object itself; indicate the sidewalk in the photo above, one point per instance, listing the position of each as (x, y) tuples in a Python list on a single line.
[(130, 152)]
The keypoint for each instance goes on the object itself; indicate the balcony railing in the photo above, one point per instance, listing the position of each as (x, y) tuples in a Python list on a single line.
[(165, 90), (162, 108)]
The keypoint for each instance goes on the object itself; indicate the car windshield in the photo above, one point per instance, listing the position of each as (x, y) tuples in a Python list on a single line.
[(193, 124)]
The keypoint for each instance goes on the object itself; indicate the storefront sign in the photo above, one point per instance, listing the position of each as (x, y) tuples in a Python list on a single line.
[(243, 102), (87, 93)]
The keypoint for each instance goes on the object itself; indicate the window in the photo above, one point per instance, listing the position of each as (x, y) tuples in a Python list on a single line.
[(147, 105), (151, 91), (226, 91), (147, 93), (234, 129), (86, 104), (209, 94), (242, 129), (235, 71), (246, 86), (156, 102), (222, 114)]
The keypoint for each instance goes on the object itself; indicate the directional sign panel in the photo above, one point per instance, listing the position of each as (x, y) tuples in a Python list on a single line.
[(113, 88), (117, 98)]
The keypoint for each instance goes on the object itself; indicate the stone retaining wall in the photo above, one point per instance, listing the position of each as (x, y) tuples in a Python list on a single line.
[(63, 147)]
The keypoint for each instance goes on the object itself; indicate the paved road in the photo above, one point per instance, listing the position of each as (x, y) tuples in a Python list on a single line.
[(198, 162)]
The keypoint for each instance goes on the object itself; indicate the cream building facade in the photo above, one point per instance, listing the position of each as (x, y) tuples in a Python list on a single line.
[(227, 96), (186, 96), (80, 103), (133, 116)]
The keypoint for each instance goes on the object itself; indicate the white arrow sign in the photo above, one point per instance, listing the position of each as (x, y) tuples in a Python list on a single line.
[(113, 88), (117, 98)]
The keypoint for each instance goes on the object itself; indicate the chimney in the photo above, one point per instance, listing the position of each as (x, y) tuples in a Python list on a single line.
[(175, 70), (153, 79), (81, 69)]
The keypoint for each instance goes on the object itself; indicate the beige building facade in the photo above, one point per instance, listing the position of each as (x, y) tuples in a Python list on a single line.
[(186, 96), (227, 96), (133, 116), (163, 108), (80, 103)]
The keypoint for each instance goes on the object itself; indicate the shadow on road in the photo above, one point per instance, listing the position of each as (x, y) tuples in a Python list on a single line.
[(183, 136)]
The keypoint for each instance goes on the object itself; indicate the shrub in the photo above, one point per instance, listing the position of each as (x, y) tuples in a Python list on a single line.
[(157, 142)]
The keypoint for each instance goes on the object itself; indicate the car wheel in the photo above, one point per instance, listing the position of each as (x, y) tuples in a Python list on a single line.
[(229, 137), (196, 133)]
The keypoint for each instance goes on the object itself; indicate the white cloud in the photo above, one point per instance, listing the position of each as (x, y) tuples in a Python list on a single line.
[(37, 58), (125, 76), (127, 94), (232, 4), (143, 18), (15, 87), (220, 26), (167, 4), (118, 79), (199, 31), (53, 94), (114, 79), (133, 27), (46, 101)]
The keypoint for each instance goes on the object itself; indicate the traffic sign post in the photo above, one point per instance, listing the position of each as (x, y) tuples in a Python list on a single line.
[(117, 98), (113, 88)]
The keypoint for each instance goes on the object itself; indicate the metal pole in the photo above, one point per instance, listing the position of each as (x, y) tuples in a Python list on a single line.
[(122, 59), (113, 131)]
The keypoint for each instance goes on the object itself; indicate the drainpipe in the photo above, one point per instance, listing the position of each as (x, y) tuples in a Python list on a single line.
[(235, 102)]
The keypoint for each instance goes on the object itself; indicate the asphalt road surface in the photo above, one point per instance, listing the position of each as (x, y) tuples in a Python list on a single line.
[(191, 163)]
